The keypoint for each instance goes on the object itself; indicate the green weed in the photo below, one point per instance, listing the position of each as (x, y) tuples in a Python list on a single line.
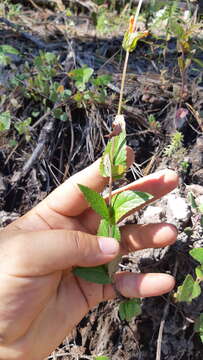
[(5, 50), (5, 120), (191, 289), (175, 149), (9, 10)]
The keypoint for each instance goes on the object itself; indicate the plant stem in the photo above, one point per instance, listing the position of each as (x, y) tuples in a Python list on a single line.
[(126, 60), (137, 14), (123, 82)]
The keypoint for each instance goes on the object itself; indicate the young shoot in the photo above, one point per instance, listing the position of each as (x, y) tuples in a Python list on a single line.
[(113, 166)]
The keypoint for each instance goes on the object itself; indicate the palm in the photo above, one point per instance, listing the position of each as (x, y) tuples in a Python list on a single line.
[(49, 300)]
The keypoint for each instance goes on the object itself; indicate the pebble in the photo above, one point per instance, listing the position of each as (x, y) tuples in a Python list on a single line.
[(2, 185), (178, 211), (153, 214)]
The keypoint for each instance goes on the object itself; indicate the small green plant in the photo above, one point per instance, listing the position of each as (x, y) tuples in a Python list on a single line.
[(198, 209), (9, 10), (5, 121), (23, 128), (190, 289), (198, 214), (184, 166), (41, 86), (199, 326), (113, 166), (101, 358), (175, 147), (172, 22), (153, 123), (108, 21), (5, 50), (95, 92)]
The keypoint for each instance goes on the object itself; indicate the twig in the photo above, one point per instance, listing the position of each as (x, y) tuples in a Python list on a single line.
[(127, 58), (35, 6), (39, 43), (163, 320), (90, 5), (44, 116), (123, 82), (44, 135)]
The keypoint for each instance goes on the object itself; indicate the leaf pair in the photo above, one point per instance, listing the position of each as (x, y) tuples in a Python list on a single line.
[(122, 204)]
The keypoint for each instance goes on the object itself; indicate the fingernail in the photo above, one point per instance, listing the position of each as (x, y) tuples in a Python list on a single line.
[(108, 246)]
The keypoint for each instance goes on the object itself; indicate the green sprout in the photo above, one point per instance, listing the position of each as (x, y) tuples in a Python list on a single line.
[(191, 289), (113, 166)]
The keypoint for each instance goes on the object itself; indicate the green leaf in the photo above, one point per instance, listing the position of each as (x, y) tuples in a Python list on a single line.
[(22, 127), (101, 358), (108, 230), (96, 201), (7, 49), (102, 80), (199, 326), (130, 40), (198, 62), (115, 149), (177, 29), (5, 121), (200, 208), (189, 290), (4, 59), (97, 274), (192, 200), (197, 254), (188, 231), (113, 163), (199, 272), (127, 201), (129, 309), (81, 76)]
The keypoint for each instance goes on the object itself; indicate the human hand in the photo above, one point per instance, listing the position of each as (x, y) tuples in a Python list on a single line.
[(40, 298)]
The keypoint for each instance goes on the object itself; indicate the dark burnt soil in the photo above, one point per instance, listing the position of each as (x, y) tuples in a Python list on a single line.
[(153, 88)]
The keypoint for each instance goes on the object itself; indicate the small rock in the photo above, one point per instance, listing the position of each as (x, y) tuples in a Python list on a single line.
[(2, 185), (153, 214), (195, 189), (178, 211), (199, 200)]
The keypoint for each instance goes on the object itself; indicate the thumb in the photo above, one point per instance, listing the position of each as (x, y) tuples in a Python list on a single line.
[(42, 252)]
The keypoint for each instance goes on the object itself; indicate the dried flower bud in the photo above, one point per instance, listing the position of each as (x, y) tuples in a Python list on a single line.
[(131, 28)]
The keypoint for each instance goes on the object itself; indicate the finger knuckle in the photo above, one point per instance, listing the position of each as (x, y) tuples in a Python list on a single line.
[(79, 242)]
